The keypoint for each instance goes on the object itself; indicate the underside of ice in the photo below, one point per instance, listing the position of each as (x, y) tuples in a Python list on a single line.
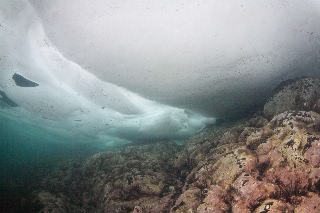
[(122, 71), (61, 97), (211, 57)]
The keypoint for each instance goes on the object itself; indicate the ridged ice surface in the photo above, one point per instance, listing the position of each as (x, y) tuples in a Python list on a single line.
[(118, 71), (60, 96)]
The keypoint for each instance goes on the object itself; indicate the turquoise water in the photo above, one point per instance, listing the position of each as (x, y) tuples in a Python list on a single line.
[(25, 150), (78, 79)]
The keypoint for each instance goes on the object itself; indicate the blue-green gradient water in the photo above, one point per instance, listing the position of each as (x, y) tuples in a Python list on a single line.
[(77, 78)]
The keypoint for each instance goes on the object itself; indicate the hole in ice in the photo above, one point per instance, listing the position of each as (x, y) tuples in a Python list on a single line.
[(23, 82), (5, 99)]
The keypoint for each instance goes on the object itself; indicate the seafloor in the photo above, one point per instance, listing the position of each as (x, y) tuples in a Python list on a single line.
[(267, 163)]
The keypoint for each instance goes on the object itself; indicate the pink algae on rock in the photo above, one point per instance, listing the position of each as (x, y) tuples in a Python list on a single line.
[(256, 165), (215, 201), (274, 206), (309, 203), (313, 154), (250, 192)]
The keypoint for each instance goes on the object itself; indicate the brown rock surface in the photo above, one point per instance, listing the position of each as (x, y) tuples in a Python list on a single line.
[(251, 166), (299, 94)]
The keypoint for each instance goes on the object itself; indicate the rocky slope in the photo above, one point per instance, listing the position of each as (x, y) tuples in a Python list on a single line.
[(269, 163)]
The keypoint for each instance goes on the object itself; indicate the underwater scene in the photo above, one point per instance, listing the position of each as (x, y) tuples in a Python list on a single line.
[(167, 106)]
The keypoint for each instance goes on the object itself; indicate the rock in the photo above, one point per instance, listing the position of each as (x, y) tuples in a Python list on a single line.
[(240, 168), (275, 206), (309, 203), (228, 168), (313, 154), (188, 201), (215, 201), (258, 121), (249, 192), (302, 95), (137, 209), (136, 178), (257, 165), (278, 161), (51, 203)]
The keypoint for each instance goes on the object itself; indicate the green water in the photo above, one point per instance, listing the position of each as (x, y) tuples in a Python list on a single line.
[(27, 152)]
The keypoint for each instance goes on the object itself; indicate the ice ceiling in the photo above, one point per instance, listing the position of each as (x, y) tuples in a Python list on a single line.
[(140, 69)]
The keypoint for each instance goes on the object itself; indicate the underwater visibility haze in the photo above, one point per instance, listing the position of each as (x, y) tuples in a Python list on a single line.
[(79, 77)]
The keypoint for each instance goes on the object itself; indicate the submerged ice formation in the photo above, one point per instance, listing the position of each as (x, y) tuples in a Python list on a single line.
[(135, 69), (60, 97), (211, 57)]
